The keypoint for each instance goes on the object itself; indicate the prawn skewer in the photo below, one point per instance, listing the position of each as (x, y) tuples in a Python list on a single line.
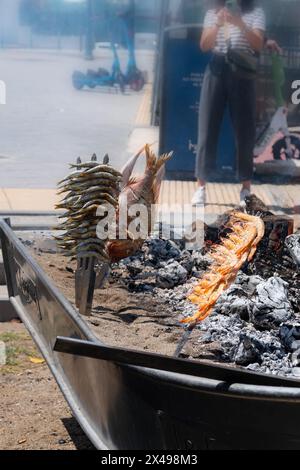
[(228, 258)]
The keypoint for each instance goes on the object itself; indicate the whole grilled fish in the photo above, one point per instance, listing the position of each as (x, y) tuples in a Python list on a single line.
[(144, 190)]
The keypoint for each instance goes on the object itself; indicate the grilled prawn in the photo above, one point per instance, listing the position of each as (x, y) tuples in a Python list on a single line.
[(238, 247)]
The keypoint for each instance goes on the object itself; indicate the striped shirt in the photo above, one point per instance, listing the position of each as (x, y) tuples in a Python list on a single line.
[(255, 19)]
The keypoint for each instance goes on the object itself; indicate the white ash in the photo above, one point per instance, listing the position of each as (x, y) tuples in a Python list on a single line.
[(177, 298), (293, 245), (243, 345), (290, 335), (248, 319), (164, 261), (157, 250), (237, 299), (171, 275), (240, 342), (270, 306), (235, 328), (254, 322), (201, 263)]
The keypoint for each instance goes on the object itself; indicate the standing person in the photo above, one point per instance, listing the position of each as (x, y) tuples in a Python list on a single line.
[(236, 37)]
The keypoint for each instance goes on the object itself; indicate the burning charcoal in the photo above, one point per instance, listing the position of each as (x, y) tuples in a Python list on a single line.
[(248, 352), (255, 206), (171, 275), (290, 336), (187, 262), (293, 245), (270, 307), (236, 305), (248, 283), (135, 268), (234, 301), (278, 228), (158, 250), (166, 231), (258, 347), (148, 288), (237, 299), (212, 232), (137, 258), (224, 330), (220, 223), (201, 262)]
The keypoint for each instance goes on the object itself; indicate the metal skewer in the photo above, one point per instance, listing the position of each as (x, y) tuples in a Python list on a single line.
[(85, 279), (184, 339)]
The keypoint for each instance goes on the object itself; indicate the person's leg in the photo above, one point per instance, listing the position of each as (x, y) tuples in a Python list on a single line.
[(211, 112), (242, 102)]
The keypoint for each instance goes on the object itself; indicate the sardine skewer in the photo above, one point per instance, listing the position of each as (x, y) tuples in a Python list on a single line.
[(91, 185)]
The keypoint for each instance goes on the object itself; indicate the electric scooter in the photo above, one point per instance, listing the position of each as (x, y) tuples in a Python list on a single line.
[(101, 77), (133, 77)]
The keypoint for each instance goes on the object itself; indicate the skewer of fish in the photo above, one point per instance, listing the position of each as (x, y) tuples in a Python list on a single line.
[(91, 185), (87, 188)]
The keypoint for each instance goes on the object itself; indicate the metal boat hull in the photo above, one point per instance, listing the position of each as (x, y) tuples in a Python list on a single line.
[(127, 407)]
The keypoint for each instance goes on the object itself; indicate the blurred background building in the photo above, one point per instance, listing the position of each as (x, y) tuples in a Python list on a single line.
[(28, 23)]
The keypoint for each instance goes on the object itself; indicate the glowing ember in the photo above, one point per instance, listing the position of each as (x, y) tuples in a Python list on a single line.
[(238, 247)]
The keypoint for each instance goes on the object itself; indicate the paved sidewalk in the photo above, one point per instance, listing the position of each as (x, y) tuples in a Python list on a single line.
[(44, 200), (46, 123), (34, 200), (18, 199)]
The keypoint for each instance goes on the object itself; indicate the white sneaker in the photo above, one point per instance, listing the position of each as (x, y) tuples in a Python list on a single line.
[(244, 194), (199, 198)]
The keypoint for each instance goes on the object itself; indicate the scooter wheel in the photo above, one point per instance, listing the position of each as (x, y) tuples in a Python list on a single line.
[(137, 84), (78, 80)]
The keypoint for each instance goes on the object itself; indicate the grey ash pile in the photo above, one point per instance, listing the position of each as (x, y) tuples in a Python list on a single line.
[(255, 324)]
